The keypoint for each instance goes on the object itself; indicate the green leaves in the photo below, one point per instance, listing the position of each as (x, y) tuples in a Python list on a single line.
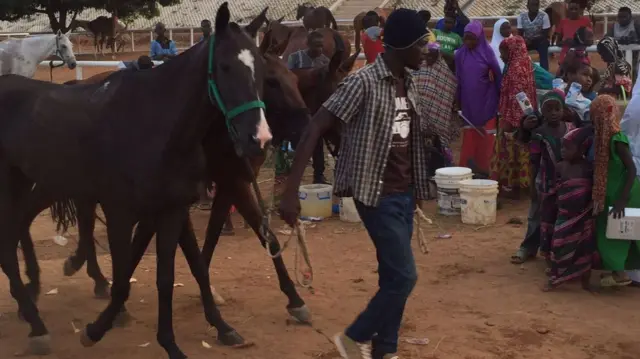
[(61, 12)]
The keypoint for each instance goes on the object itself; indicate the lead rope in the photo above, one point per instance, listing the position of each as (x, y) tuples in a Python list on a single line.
[(418, 217)]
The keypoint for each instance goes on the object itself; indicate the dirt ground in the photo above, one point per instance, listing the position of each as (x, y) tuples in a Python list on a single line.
[(470, 302)]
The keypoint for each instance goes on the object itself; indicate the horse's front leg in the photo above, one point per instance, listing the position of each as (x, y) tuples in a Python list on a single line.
[(189, 244), (248, 207), (121, 221)]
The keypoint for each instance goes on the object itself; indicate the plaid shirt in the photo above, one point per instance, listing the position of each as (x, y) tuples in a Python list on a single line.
[(365, 103)]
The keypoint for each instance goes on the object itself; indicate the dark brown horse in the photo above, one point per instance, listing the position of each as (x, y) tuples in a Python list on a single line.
[(104, 30), (284, 40), (289, 116), (314, 18), (92, 143), (358, 26)]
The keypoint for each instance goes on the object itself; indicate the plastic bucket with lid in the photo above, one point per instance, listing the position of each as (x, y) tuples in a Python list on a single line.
[(478, 201), (315, 200), (348, 210), (448, 179)]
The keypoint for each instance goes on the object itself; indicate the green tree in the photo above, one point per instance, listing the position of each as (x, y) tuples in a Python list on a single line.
[(62, 12)]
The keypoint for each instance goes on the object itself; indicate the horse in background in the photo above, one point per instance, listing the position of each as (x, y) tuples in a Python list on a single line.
[(134, 176), (314, 18), (22, 56), (284, 40), (103, 30), (358, 26)]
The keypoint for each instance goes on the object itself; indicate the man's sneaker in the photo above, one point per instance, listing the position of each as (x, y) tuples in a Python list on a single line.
[(350, 349)]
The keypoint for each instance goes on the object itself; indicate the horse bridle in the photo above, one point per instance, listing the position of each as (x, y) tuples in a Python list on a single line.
[(57, 53), (216, 99)]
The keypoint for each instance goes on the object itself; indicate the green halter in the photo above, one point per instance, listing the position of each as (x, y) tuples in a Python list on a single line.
[(215, 94)]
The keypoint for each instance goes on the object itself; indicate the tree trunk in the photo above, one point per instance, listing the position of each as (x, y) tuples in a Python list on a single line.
[(60, 24)]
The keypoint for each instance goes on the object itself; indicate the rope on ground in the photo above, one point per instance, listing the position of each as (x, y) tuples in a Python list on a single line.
[(299, 234), (417, 230)]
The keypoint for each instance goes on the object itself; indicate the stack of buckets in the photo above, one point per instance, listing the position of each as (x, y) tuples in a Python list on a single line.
[(458, 194)]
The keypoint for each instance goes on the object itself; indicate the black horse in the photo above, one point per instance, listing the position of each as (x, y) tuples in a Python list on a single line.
[(132, 143)]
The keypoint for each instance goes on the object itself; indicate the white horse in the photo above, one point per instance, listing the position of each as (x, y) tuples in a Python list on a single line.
[(22, 56)]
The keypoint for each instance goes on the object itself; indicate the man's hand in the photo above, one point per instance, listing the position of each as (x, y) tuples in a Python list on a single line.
[(289, 209)]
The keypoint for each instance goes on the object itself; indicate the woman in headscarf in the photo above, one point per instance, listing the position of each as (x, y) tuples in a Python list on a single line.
[(573, 248), (501, 30), (510, 163), (617, 77), (437, 87), (614, 185), (479, 77)]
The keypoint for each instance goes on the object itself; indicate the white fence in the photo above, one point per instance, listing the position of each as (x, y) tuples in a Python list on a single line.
[(193, 31), (628, 50)]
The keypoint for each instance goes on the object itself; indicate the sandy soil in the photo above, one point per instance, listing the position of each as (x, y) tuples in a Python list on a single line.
[(470, 302)]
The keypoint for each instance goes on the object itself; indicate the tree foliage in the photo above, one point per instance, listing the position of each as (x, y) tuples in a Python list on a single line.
[(62, 12)]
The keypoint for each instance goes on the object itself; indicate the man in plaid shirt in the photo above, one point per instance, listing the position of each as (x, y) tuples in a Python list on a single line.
[(382, 165)]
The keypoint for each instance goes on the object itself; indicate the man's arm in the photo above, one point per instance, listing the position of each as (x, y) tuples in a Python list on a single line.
[(173, 49), (155, 51), (292, 61)]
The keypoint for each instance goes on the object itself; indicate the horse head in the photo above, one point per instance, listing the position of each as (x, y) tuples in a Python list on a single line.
[(64, 49), (235, 82), (303, 10), (276, 37)]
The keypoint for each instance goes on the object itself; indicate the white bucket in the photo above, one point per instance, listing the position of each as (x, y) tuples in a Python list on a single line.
[(348, 210), (315, 200), (448, 179), (478, 201)]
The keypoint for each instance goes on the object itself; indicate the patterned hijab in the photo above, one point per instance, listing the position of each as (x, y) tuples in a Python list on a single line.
[(517, 77), (608, 45), (605, 115)]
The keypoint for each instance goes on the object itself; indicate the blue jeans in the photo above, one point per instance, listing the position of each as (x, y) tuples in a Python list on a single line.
[(531, 240), (390, 226)]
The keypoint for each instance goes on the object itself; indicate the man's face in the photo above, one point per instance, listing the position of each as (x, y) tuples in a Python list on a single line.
[(315, 47), (412, 57), (160, 30), (449, 23), (205, 26), (533, 6), (573, 11), (624, 18)]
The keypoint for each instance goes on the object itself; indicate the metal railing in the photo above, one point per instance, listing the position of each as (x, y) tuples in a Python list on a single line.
[(628, 50)]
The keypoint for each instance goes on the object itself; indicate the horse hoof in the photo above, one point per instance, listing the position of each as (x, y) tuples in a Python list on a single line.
[(68, 269), (217, 298), (40, 345), (301, 314), (85, 340), (122, 319), (233, 339), (101, 291)]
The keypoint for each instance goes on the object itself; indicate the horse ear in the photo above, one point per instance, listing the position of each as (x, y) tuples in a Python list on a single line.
[(255, 25), (223, 16), (59, 32), (280, 20)]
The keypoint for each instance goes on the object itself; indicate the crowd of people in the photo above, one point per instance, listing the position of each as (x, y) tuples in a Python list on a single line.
[(556, 137)]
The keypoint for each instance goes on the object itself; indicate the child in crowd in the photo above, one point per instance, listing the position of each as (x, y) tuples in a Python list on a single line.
[(572, 246), (371, 37), (578, 49), (449, 40), (579, 72), (617, 78), (545, 152), (615, 187), (626, 30), (567, 28)]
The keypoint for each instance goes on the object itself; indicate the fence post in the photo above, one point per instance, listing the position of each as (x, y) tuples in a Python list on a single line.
[(605, 24), (133, 41), (171, 34), (150, 38), (191, 34), (79, 73)]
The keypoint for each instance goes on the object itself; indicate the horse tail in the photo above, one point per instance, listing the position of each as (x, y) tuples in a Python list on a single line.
[(65, 214), (332, 19)]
